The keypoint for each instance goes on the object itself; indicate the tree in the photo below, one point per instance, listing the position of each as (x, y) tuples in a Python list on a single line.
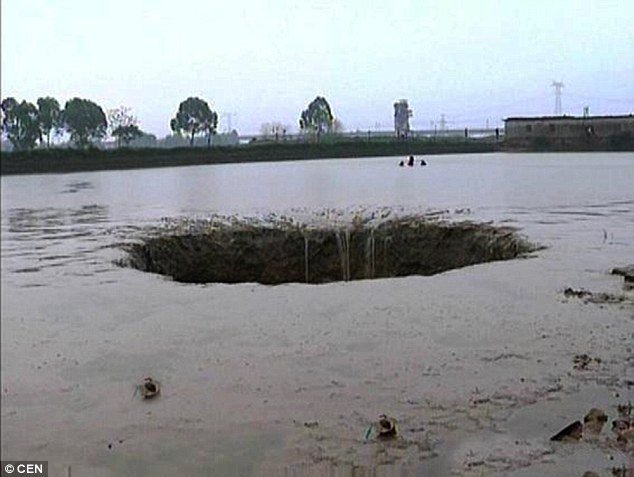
[(20, 123), (9, 121), (84, 120), (123, 125), (126, 134), (193, 116), (210, 126), (318, 117), (48, 115)]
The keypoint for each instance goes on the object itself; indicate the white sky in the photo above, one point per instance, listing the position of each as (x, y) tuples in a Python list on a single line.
[(472, 60)]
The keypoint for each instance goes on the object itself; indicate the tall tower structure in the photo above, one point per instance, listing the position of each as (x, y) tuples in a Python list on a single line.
[(228, 117), (402, 113), (558, 85), (443, 122)]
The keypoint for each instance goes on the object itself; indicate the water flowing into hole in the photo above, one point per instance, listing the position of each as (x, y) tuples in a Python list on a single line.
[(237, 252)]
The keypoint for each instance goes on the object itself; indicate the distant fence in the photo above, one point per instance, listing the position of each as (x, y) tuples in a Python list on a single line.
[(170, 142), (380, 135)]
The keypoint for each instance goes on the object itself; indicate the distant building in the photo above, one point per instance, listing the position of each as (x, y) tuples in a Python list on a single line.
[(561, 132), (402, 113)]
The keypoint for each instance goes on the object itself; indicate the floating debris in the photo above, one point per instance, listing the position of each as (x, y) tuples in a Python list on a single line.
[(386, 427), (626, 272), (595, 420), (583, 361), (625, 409), (620, 471), (570, 433), (623, 427), (149, 389), (596, 298), (580, 293)]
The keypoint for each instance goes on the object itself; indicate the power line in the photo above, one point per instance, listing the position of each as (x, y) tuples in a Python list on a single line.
[(596, 98), (486, 110)]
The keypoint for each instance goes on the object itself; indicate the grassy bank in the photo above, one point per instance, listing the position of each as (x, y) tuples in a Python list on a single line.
[(71, 160)]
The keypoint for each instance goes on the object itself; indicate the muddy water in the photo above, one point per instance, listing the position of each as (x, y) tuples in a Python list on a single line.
[(475, 364)]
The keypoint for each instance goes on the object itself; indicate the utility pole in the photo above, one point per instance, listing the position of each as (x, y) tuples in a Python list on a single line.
[(558, 85)]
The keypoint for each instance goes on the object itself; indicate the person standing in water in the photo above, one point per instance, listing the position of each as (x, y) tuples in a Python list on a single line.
[(411, 161)]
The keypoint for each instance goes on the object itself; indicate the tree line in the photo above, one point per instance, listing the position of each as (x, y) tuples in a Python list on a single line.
[(26, 124)]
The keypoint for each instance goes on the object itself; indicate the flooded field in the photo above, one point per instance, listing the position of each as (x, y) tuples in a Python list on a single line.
[(478, 366)]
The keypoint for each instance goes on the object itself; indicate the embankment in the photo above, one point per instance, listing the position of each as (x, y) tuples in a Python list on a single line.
[(72, 160)]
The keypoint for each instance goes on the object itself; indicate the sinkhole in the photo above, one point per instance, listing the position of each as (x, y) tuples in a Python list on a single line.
[(282, 253)]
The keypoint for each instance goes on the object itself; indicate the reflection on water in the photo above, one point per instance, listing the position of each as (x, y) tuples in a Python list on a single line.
[(75, 186), (38, 239), (54, 220)]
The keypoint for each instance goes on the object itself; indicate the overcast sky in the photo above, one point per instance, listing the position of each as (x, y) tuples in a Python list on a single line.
[(471, 60)]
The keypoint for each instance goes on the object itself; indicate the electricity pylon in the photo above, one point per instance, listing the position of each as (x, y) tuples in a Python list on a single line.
[(558, 85)]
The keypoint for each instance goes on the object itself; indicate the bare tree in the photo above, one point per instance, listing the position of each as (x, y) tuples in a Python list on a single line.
[(123, 125)]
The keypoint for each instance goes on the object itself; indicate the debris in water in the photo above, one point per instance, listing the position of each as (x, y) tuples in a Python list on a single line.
[(583, 361), (570, 433), (623, 427), (626, 272), (619, 471), (150, 388), (596, 298), (386, 427), (311, 424), (625, 409), (620, 425), (571, 292), (594, 420)]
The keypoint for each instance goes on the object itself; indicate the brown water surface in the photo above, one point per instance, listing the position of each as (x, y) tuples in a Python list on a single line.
[(475, 364)]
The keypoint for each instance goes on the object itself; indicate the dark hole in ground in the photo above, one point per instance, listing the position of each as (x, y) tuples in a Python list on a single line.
[(282, 254)]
